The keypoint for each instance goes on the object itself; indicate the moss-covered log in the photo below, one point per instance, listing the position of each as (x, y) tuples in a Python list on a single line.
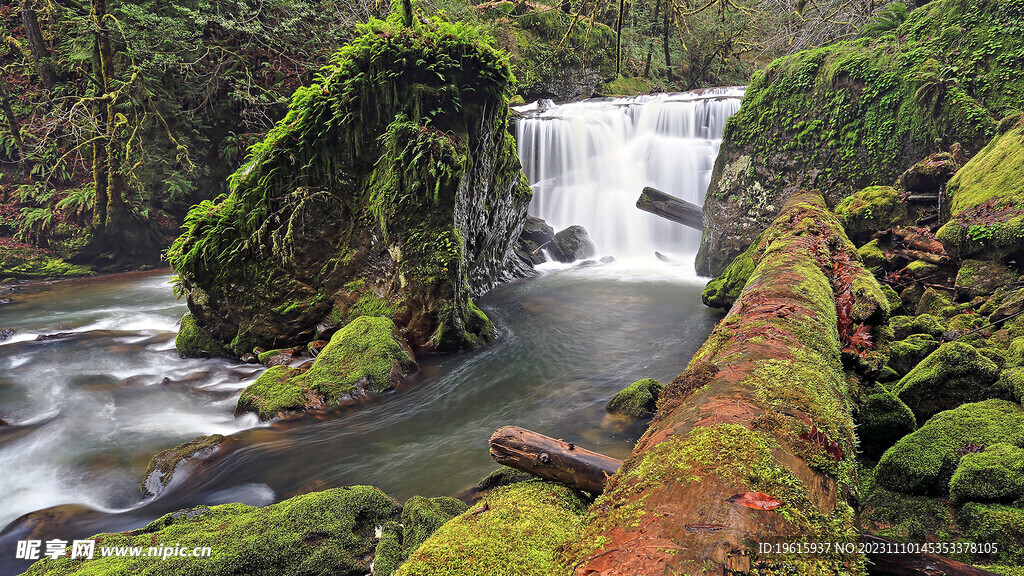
[(754, 442)]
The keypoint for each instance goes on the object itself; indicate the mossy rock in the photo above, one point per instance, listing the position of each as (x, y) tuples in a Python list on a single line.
[(895, 302), (904, 517), (953, 374), (503, 476), (928, 175), (1004, 304), (1003, 525), (881, 421), (536, 230), (986, 203), (421, 517), (722, 292), (924, 461), (872, 209), (639, 399), (572, 244), (981, 278), (907, 353), (388, 555), (164, 464), (994, 475), (193, 341), (1012, 379), (515, 530), (28, 263), (366, 356), (904, 326), (329, 533), (872, 255)]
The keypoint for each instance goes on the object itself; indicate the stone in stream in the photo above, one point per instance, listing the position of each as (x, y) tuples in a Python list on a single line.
[(536, 230), (572, 244), (3, 422), (6, 334), (639, 399), (162, 467)]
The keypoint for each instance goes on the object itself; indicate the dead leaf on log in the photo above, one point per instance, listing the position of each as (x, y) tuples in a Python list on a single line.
[(818, 437), (755, 500), (705, 527)]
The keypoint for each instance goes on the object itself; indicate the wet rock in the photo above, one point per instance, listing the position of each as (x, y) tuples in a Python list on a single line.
[(163, 466), (329, 532), (723, 291), (993, 474), (6, 334), (924, 461), (639, 399), (537, 231), (587, 263), (881, 421), (193, 341), (607, 259), (904, 326), (572, 244), (928, 175), (250, 358), (56, 336), (981, 278), (367, 356), (870, 210), (531, 251), (314, 348), (279, 357), (3, 422), (953, 374)]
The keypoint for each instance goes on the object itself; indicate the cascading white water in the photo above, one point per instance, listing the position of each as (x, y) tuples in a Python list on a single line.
[(588, 161)]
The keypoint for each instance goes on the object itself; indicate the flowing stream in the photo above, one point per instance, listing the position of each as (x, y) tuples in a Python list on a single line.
[(92, 386)]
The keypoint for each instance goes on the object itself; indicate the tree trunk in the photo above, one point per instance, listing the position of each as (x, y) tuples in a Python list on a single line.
[(99, 148), (671, 208), (112, 214), (650, 43), (552, 459), (665, 43), (618, 39), (754, 443), (40, 54), (12, 120)]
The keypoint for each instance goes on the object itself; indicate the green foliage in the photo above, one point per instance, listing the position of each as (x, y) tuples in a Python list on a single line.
[(886, 20), (317, 534)]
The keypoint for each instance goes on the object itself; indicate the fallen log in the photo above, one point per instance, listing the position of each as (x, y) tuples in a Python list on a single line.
[(920, 241), (886, 564), (669, 207), (552, 459), (919, 255)]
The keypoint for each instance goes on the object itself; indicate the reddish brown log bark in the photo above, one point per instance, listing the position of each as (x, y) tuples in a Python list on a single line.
[(919, 255), (920, 241), (552, 459)]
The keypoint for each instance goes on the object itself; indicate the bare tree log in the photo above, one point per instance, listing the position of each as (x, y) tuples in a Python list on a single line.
[(552, 459), (669, 207), (920, 241), (926, 256)]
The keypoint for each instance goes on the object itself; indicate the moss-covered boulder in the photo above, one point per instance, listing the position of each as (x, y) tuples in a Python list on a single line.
[(329, 533), (872, 255), (924, 461), (952, 375), (905, 354), (193, 341), (995, 474), (904, 517), (162, 467), (572, 244), (421, 517), (391, 187), (514, 530), (872, 209), (932, 301), (1002, 525), (882, 420), (980, 278), (27, 262), (986, 202), (639, 399), (904, 326), (858, 113), (366, 356), (722, 292), (928, 175)]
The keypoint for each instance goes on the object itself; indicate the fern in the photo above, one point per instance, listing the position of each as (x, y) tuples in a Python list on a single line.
[(886, 20)]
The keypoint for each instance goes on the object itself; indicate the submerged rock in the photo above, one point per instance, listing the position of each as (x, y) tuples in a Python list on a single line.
[(953, 374), (993, 474), (381, 193), (924, 461), (6, 334), (367, 356), (639, 399), (162, 467), (572, 244), (323, 533)]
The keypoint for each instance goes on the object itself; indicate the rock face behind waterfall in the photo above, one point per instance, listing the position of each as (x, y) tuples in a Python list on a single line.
[(859, 113), (391, 188)]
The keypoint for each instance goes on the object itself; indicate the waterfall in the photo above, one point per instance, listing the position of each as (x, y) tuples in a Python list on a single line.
[(588, 161)]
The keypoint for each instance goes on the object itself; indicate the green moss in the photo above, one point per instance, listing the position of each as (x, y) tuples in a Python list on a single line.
[(639, 399), (953, 374), (902, 517), (1012, 379), (979, 278), (33, 264), (872, 209), (872, 255), (388, 556), (904, 326), (421, 517), (891, 295), (365, 354), (264, 357), (369, 304), (994, 475), (723, 291), (881, 421), (327, 533), (905, 354), (515, 530), (193, 341), (924, 461), (623, 86), (164, 463), (1003, 525)]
